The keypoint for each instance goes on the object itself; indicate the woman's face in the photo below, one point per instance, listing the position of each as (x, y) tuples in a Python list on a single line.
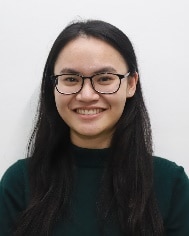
[(92, 116)]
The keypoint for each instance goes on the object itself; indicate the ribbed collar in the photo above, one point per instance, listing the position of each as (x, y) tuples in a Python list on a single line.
[(93, 158)]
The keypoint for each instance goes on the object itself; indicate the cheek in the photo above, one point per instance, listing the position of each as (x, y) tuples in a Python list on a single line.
[(121, 98), (60, 101), (120, 105), (117, 104)]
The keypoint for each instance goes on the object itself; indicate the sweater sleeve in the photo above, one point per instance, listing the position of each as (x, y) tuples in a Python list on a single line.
[(12, 196), (178, 218)]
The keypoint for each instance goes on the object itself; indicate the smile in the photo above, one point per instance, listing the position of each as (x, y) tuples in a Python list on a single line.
[(89, 111)]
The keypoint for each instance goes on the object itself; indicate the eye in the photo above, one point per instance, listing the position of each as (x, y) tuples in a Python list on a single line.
[(105, 79), (69, 79)]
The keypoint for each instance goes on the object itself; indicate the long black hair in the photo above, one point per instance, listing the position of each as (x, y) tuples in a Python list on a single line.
[(128, 178)]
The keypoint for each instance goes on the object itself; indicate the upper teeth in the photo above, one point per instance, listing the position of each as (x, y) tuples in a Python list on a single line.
[(88, 112)]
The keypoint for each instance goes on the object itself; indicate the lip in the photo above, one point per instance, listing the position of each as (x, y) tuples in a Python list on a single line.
[(88, 111)]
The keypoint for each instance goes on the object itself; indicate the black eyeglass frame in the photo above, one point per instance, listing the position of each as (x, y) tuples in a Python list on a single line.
[(54, 78)]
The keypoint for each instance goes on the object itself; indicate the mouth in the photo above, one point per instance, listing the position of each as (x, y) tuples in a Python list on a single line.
[(89, 111)]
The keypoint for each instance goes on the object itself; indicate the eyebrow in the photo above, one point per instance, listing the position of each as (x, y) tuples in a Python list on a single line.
[(101, 70)]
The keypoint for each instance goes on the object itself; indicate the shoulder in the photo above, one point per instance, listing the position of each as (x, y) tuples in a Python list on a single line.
[(16, 175), (172, 190), (168, 174), (16, 169), (13, 194), (168, 171)]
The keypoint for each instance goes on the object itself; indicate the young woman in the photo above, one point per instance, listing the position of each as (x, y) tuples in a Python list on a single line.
[(90, 169)]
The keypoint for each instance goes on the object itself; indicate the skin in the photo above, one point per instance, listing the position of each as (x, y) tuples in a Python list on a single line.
[(87, 56)]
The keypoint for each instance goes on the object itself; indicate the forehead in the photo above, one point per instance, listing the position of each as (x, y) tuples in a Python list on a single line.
[(87, 54)]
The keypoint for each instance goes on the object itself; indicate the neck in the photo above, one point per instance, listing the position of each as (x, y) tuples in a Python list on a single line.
[(90, 142)]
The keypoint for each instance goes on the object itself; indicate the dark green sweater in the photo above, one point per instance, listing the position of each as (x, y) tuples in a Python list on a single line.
[(171, 186)]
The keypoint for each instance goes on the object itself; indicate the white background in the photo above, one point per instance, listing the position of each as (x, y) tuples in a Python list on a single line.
[(159, 31)]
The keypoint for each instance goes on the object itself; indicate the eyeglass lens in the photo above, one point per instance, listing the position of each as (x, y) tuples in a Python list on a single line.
[(103, 83)]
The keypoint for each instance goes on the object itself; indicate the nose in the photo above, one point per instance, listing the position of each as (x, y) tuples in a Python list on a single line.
[(87, 93)]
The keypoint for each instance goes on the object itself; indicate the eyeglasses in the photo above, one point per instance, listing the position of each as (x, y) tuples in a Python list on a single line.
[(103, 83)]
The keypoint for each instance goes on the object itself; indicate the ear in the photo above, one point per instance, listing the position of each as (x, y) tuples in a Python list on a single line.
[(131, 84)]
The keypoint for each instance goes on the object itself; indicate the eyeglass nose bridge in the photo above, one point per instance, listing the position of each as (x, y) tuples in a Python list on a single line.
[(87, 77), (91, 80)]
